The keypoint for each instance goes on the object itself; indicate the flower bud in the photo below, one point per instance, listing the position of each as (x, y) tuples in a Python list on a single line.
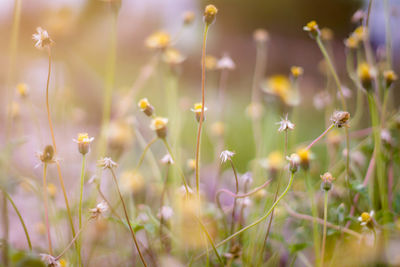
[(47, 156), (83, 142), (389, 77), (294, 162), (197, 111), (210, 14), (146, 107), (366, 74), (159, 125), (327, 180)]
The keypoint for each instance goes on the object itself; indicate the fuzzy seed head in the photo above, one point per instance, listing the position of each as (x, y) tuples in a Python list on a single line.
[(340, 118), (42, 39)]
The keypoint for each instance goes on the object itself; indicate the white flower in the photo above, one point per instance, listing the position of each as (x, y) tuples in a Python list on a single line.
[(107, 163), (42, 38), (167, 159), (366, 219), (50, 260), (165, 212), (100, 209), (226, 63), (285, 124), (226, 155)]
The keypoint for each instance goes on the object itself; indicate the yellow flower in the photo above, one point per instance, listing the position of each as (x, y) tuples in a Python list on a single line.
[(83, 142), (366, 219), (305, 157), (158, 40), (366, 74), (173, 56), (146, 107), (360, 33), (389, 77), (351, 42), (197, 111), (312, 28), (22, 90), (159, 125), (210, 12), (63, 263), (279, 85), (296, 71), (191, 164), (274, 161)]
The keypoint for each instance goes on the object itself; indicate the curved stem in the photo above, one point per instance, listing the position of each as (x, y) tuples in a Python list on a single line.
[(46, 209), (258, 220), (72, 241), (127, 218), (80, 207), (28, 240), (324, 230), (203, 80)]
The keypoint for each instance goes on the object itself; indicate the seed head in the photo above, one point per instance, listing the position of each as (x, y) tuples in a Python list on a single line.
[(100, 209), (340, 118), (312, 28), (83, 142), (327, 180), (226, 155), (389, 77), (146, 107), (107, 163), (42, 39), (47, 156), (167, 159), (210, 13), (50, 260), (159, 125), (285, 124)]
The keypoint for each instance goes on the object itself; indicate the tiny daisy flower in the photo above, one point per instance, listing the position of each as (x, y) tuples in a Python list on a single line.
[(165, 213), (261, 36), (366, 74), (340, 118), (294, 162), (197, 111), (173, 57), (210, 62), (305, 157), (159, 125), (226, 63), (226, 155), (296, 71), (210, 13), (145, 106), (83, 142), (360, 33), (327, 180), (158, 40), (312, 28), (167, 159), (366, 219), (50, 260), (100, 209), (188, 17), (107, 163), (42, 39), (285, 124), (22, 90), (389, 77)]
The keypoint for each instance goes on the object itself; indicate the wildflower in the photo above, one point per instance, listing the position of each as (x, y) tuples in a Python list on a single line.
[(173, 57), (165, 213), (146, 107), (63, 263), (107, 163), (52, 190), (351, 42), (158, 40), (366, 74), (326, 34), (50, 260), (100, 209), (210, 13), (294, 162), (167, 159), (296, 71), (305, 157), (366, 219), (321, 100), (191, 164), (83, 142), (312, 28), (188, 17), (360, 33), (327, 180), (260, 194), (389, 77), (47, 156), (226, 155), (340, 118), (218, 128), (197, 111), (254, 110), (274, 161), (159, 125), (42, 39), (285, 124), (131, 181), (210, 62), (261, 36), (22, 90), (226, 63), (279, 85)]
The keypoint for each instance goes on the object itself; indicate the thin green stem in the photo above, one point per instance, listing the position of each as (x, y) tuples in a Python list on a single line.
[(314, 213), (80, 208), (211, 241), (127, 218), (258, 220), (46, 208), (28, 239), (5, 221), (324, 230), (203, 81)]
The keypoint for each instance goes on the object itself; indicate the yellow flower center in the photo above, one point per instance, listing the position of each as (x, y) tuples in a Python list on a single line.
[(296, 71), (364, 71), (275, 159), (83, 137), (22, 89), (280, 86), (351, 42), (304, 154), (143, 103), (198, 106), (159, 123), (360, 33), (365, 217), (312, 25)]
